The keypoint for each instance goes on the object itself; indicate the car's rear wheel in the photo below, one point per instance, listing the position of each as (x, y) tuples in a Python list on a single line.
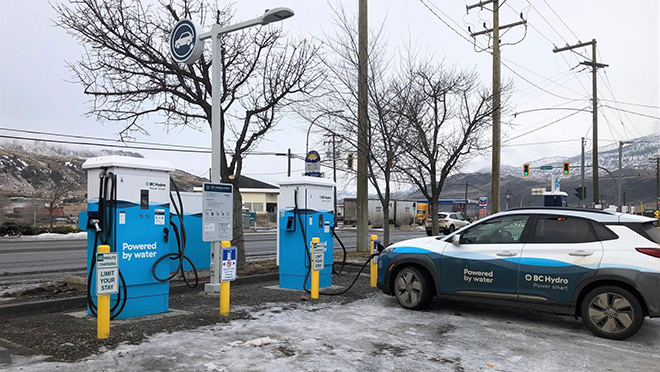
[(412, 288), (429, 232), (452, 229), (612, 312)]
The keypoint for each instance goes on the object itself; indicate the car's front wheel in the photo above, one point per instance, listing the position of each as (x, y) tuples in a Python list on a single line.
[(412, 288), (612, 312)]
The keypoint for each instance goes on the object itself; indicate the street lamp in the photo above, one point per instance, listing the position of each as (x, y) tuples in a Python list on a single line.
[(312, 124), (270, 16)]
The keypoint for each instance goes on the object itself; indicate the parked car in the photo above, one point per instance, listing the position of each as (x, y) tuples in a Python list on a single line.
[(448, 222), (603, 266)]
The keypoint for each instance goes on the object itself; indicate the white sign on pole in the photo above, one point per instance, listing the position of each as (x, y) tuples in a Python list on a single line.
[(217, 212), (107, 273), (317, 259), (185, 46), (538, 190), (228, 271)]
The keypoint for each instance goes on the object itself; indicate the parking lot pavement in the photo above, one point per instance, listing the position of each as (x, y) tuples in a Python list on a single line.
[(375, 334)]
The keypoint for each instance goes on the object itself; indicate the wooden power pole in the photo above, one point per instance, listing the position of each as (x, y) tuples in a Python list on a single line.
[(497, 109), (362, 146), (594, 85)]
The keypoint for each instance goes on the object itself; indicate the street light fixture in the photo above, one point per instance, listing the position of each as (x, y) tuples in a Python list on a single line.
[(217, 151), (312, 124)]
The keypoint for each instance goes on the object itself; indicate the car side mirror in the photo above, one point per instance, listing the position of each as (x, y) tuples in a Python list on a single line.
[(379, 247), (456, 239)]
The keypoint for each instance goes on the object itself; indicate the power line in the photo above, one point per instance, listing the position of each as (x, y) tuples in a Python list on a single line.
[(561, 20), (632, 112)]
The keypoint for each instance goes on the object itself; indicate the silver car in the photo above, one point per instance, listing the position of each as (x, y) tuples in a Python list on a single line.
[(448, 222)]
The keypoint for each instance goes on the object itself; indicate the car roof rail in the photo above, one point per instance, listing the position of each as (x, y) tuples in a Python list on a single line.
[(572, 209)]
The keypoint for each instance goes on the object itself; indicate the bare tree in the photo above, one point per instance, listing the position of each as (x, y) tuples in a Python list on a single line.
[(131, 77), (53, 196), (447, 113), (340, 95)]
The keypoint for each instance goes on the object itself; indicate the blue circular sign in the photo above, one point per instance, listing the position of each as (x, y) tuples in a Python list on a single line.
[(184, 45)]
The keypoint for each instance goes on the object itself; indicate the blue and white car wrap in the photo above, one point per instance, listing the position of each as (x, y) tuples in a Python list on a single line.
[(524, 268)]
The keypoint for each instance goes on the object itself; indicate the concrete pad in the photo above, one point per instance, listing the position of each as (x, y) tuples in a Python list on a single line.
[(173, 312), (5, 357)]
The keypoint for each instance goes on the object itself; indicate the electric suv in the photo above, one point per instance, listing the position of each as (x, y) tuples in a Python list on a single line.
[(602, 266), (447, 222)]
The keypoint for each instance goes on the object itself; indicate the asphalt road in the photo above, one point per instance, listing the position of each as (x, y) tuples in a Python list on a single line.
[(27, 260)]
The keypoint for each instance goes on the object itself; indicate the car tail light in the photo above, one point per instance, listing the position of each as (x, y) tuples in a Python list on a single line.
[(446, 220), (655, 252), (428, 220)]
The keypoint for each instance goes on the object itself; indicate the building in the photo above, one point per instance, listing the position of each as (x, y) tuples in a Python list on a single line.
[(259, 197)]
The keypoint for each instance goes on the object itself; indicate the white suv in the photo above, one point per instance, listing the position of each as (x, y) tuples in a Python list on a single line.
[(447, 222), (602, 266)]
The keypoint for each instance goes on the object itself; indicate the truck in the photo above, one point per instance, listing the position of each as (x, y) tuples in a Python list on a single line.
[(422, 213), (401, 212)]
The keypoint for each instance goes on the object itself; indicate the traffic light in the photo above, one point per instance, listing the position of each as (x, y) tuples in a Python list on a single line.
[(350, 161), (578, 192), (566, 168), (525, 170)]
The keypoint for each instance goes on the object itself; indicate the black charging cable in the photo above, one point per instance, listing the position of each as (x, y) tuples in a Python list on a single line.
[(307, 255), (180, 243)]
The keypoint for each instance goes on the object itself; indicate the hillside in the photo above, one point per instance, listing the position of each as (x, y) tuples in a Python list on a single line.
[(27, 169)]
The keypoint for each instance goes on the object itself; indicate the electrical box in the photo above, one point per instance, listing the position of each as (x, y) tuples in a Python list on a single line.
[(138, 223), (305, 210)]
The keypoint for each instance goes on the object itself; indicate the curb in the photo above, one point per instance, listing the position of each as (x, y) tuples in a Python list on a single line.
[(72, 303)]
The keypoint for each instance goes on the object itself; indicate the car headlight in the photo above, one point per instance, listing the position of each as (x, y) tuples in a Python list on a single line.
[(387, 250)]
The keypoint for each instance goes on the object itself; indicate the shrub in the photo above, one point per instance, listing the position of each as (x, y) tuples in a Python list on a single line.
[(15, 228)]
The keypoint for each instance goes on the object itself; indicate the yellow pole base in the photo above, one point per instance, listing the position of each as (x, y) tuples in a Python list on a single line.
[(373, 272), (224, 298), (102, 306), (315, 284)]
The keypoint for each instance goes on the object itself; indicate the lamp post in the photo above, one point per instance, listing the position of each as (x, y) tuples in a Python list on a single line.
[(217, 150), (312, 124)]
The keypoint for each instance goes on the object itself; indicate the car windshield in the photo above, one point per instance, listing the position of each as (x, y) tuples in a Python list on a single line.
[(652, 229)]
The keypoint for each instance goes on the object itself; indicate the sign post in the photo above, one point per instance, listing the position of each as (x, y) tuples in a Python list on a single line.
[(374, 262), (217, 218), (317, 265), (228, 274), (313, 164), (106, 284)]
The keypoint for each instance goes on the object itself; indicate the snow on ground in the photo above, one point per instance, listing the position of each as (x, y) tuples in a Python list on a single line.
[(49, 236), (377, 335)]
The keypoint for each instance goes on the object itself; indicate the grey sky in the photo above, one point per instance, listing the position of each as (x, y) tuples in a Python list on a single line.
[(34, 93)]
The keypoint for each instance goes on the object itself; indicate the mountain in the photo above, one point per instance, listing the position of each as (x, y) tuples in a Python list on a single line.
[(26, 169), (638, 177)]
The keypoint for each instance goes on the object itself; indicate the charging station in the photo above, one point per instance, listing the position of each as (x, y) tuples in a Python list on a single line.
[(305, 211), (128, 208)]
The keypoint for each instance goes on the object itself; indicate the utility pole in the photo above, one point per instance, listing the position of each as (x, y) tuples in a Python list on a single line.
[(334, 171), (657, 181), (618, 191), (362, 146), (497, 110), (594, 110), (288, 157), (582, 190), (466, 201)]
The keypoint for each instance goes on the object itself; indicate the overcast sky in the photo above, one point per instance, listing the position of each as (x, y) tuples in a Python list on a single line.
[(35, 93)]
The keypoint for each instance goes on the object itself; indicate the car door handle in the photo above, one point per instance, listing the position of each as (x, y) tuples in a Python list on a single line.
[(580, 253), (506, 254)]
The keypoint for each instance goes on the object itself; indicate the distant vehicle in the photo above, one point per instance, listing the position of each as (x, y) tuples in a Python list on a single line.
[(186, 38), (422, 213), (603, 266), (447, 222), (401, 212)]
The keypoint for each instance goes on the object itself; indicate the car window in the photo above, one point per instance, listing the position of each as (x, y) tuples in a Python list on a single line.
[(652, 229), (453, 216), (602, 232), (562, 229), (442, 215), (501, 230)]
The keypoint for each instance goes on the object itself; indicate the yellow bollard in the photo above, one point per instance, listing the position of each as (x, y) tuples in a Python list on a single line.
[(224, 287), (374, 267), (315, 273), (102, 306)]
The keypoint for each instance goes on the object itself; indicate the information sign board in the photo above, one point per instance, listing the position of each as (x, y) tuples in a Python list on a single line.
[(317, 259), (217, 212), (107, 273), (228, 264)]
